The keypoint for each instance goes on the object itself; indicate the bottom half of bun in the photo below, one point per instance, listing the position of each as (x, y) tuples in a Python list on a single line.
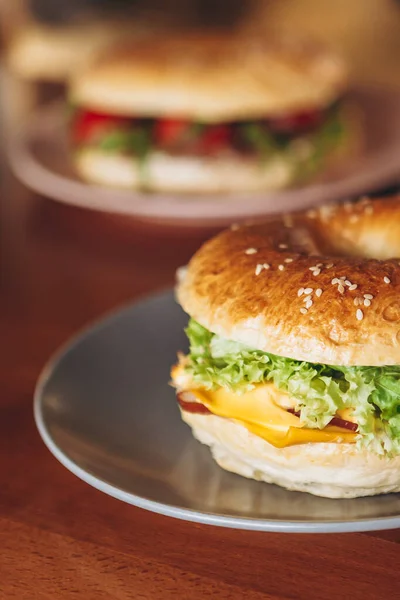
[(191, 174), (226, 173), (332, 470)]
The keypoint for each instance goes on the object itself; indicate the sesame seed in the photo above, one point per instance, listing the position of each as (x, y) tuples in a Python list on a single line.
[(340, 289), (251, 251), (303, 311), (353, 286), (386, 279), (288, 260), (308, 304), (335, 280), (329, 266), (367, 302), (281, 267), (308, 290), (359, 314), (259, 268), (318, 292), (307, 298), (300, 292), (316, 272), (368, 296), (347, 282), (266, 266), (356, 301), (283, 246)]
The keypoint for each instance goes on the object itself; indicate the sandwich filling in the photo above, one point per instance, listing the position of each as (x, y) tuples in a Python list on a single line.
[(286, 401), (303, 139)]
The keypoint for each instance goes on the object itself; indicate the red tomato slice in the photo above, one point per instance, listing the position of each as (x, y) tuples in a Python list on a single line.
[(294, 123), (169, 131), (215, 137), (86, 123), (189, 405)]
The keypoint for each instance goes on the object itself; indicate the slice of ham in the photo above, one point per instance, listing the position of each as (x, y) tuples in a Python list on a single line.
[(336, 421), (188, 402)]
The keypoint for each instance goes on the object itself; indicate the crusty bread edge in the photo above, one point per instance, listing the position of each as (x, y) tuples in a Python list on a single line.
[(329, 470)]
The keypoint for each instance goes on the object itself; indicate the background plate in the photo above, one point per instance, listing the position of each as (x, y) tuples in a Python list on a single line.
[(40, 157), (104, 408)]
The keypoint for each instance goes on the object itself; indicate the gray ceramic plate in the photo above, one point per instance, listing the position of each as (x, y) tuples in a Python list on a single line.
[(104, 409)]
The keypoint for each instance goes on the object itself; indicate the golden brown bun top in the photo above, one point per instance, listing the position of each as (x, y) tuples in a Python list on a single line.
[(321, 286), (211, 76)]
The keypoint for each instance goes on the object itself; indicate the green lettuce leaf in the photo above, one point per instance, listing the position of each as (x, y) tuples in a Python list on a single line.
[(259, 138), (136, 141), (320, 390), (316, 145)]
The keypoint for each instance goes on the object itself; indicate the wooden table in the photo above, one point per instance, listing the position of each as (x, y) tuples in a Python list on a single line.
[(59, 538)]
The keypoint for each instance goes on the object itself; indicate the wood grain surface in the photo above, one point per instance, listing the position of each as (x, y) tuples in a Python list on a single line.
[(59, 538)]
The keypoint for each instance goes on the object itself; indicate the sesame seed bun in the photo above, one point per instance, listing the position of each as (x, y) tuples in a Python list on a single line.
[(321, 286), (323, 469), (211, 77)]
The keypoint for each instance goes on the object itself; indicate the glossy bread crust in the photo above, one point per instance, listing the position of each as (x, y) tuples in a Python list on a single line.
[(321, 286)]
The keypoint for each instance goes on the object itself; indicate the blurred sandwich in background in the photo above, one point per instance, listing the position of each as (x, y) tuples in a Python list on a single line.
[(210, 112)]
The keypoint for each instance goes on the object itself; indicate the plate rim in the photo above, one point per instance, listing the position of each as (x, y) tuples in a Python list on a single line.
[(194, 516)]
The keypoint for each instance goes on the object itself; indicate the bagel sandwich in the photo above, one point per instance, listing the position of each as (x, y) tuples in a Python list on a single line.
[(209, 113), (293, 372)]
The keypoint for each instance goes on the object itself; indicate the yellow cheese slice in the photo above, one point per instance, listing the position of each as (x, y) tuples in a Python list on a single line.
[(259, 413)]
